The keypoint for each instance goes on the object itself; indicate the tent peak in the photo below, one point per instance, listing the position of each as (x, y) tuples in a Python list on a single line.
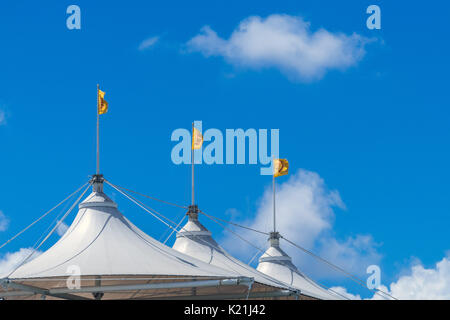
[(97, 183), (97, 198), (193, 212), (276, 263), (275, 254), (274, 239)]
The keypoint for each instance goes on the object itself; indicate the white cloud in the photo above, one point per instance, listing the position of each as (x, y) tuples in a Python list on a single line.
[(233, 213), (354, 254), (343, 292), (423, 283), (305, 215), (12, 259), (283, 42), (419, 284), (62, 228), (4, 221), (147, 43)]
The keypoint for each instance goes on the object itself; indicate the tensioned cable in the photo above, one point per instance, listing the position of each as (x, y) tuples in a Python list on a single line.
[(355, 279), (237, 235), (63, 210), (184, 207), (174, 223), (234, 224), (335, 292), (247, 228), (253, 258), (153, 214), (141, 203), (151, 209), (209, 216), (181, 221), (44, 215), (153, 198), (360, 282), (265, 233), (254, 230), (126, 279), (62, 219), (181, 216), (200, 239), (35, 248), (254, 246), (167, 224)]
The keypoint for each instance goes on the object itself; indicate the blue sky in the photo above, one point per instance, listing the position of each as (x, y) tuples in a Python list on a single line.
[(376, 131)]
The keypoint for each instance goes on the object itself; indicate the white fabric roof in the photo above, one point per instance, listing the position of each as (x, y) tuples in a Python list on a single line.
[(196, 241), (276, 263), (101, 241)]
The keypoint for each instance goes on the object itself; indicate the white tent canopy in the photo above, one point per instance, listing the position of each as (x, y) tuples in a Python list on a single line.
[(102, 243)]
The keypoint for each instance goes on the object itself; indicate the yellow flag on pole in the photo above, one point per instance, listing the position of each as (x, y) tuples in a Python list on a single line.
[(197, 139), (102, 104), (280, 167)]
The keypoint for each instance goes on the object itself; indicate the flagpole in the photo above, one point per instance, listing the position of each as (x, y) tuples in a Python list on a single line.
[(273, 184), (98, 135), (192, 164)]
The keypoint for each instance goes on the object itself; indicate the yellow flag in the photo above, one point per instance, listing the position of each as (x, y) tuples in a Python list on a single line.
[(101, 103), (280, 167), (197, 139)]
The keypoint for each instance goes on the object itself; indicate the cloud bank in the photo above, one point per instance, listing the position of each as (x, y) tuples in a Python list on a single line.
[(423, 283), (420, 283), (283, 42)]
